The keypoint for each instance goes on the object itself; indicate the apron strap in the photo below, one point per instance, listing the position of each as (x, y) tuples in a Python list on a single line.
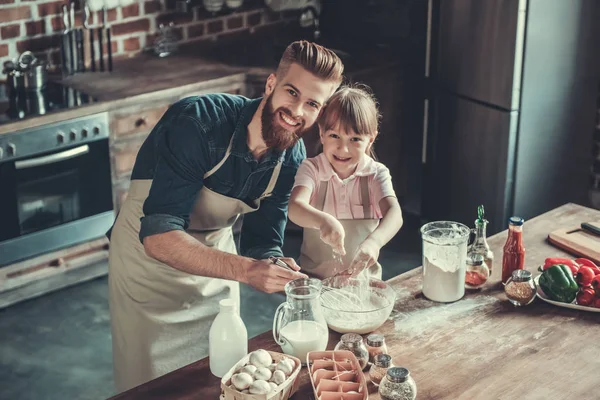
[(272, 182), (220, 163), (365, 198)]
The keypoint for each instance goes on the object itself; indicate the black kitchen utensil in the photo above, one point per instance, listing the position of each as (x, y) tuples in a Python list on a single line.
[(590, 228), (80, 52), (109, 44), (92, 51)]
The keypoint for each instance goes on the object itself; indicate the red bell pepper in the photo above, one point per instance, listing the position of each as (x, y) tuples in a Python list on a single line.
[(588, 263), (566, 261), (596, 302), (586, 297), (596, 284), (584, 276)]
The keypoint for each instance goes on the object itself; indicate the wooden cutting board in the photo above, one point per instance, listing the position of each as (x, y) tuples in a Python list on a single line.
[(577, 241)]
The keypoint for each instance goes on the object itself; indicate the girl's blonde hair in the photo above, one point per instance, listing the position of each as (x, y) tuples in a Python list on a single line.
[(353, 108)]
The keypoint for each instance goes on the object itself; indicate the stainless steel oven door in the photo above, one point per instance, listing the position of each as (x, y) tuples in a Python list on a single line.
[(54, 199)]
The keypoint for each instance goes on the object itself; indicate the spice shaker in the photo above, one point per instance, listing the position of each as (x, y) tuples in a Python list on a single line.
[(376, 345), (477, 273), (520, 288), (397, 384), (381, 364), (353, 342)]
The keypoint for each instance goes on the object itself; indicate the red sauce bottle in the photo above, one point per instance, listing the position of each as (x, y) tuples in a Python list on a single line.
[(513, 257)]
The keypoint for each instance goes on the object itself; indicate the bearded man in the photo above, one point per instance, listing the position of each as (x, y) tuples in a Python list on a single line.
[(207, 161)]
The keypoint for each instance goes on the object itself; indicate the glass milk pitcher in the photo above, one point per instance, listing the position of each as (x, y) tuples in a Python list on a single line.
[(299, 324), (444, 260)]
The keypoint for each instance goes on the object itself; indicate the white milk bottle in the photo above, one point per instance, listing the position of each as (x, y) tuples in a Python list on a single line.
[(227, 340)]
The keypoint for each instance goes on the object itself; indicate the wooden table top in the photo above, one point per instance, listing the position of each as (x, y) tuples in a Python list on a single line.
[(480, 347)]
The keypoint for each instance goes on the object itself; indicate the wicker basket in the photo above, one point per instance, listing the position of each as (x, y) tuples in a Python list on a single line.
[(283, 392)]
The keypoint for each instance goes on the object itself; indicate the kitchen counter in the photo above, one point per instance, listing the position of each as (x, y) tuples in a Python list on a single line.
[(200, 68), (480, 347)]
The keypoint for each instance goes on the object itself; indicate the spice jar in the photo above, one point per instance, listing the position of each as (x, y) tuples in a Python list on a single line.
[(381, 364), (397, 384), (376, 345), (520, 288), (353, 342), (477, 272)]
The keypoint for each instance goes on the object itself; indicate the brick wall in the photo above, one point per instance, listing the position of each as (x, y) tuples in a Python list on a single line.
[(37, 25)]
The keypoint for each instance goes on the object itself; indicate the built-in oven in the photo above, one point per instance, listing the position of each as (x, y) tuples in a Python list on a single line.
[(55, 186)]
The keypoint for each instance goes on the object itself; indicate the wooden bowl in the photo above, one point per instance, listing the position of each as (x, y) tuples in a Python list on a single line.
[(283, 392)]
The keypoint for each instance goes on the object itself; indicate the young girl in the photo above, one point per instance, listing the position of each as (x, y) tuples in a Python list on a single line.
[(343, 198)]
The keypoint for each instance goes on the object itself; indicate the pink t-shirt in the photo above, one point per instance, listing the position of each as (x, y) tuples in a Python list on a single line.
[(343, 199)]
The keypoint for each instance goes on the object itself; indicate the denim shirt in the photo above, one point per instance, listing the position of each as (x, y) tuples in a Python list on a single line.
[(189, 140)]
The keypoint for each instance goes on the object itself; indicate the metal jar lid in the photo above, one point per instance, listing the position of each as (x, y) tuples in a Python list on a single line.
[(521, 275), (518, 221), (383, 360), (397, 374), (352, 339), (375, 340)]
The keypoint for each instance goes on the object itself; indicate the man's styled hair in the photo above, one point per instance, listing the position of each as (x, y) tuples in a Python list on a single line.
[(318, 60)]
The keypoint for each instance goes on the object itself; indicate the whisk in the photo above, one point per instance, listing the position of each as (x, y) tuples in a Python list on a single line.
[(340, 299)]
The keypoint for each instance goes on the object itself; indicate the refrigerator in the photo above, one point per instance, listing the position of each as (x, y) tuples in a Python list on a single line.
[(509, 107)]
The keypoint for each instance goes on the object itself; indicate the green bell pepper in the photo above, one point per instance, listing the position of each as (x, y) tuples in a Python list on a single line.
[(558, 283)]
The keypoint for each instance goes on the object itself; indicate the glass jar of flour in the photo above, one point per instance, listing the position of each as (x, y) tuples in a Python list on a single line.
[(444, 260)]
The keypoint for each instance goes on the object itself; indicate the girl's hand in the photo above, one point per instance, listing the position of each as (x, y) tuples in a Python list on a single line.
[(366, 255), (332, 233)]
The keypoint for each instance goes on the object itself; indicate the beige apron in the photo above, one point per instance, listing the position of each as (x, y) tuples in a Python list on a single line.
[(316, 257), (161, 316)]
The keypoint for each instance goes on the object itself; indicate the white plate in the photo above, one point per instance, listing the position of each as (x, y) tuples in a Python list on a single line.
[(542, 295)]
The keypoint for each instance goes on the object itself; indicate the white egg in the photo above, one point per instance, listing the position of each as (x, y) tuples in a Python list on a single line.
[(242, 380), (262, 374), (260, 358), (286, 365), (273, 386), (249, 369), (260, 387)]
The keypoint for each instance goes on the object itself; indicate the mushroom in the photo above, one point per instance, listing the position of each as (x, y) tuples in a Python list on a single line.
[(263, 374), (273, 386), (260, 358), (242, 380), (278, 377), (249, 369), (286, 365), (260, 387)]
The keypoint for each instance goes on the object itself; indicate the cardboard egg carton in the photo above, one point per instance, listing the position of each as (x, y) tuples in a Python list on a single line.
[(336, 375)]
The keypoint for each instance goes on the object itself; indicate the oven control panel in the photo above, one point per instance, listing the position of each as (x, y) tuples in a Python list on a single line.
[(53, 137)]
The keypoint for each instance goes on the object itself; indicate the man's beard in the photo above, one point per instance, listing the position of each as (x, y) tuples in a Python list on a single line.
[(275, 135)]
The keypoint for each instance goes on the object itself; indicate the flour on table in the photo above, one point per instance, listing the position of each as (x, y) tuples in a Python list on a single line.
[(418, 320)]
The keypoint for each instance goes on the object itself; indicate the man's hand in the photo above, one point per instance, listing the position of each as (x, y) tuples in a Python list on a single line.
[(332, 233), (365, 256), (268, 277)]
